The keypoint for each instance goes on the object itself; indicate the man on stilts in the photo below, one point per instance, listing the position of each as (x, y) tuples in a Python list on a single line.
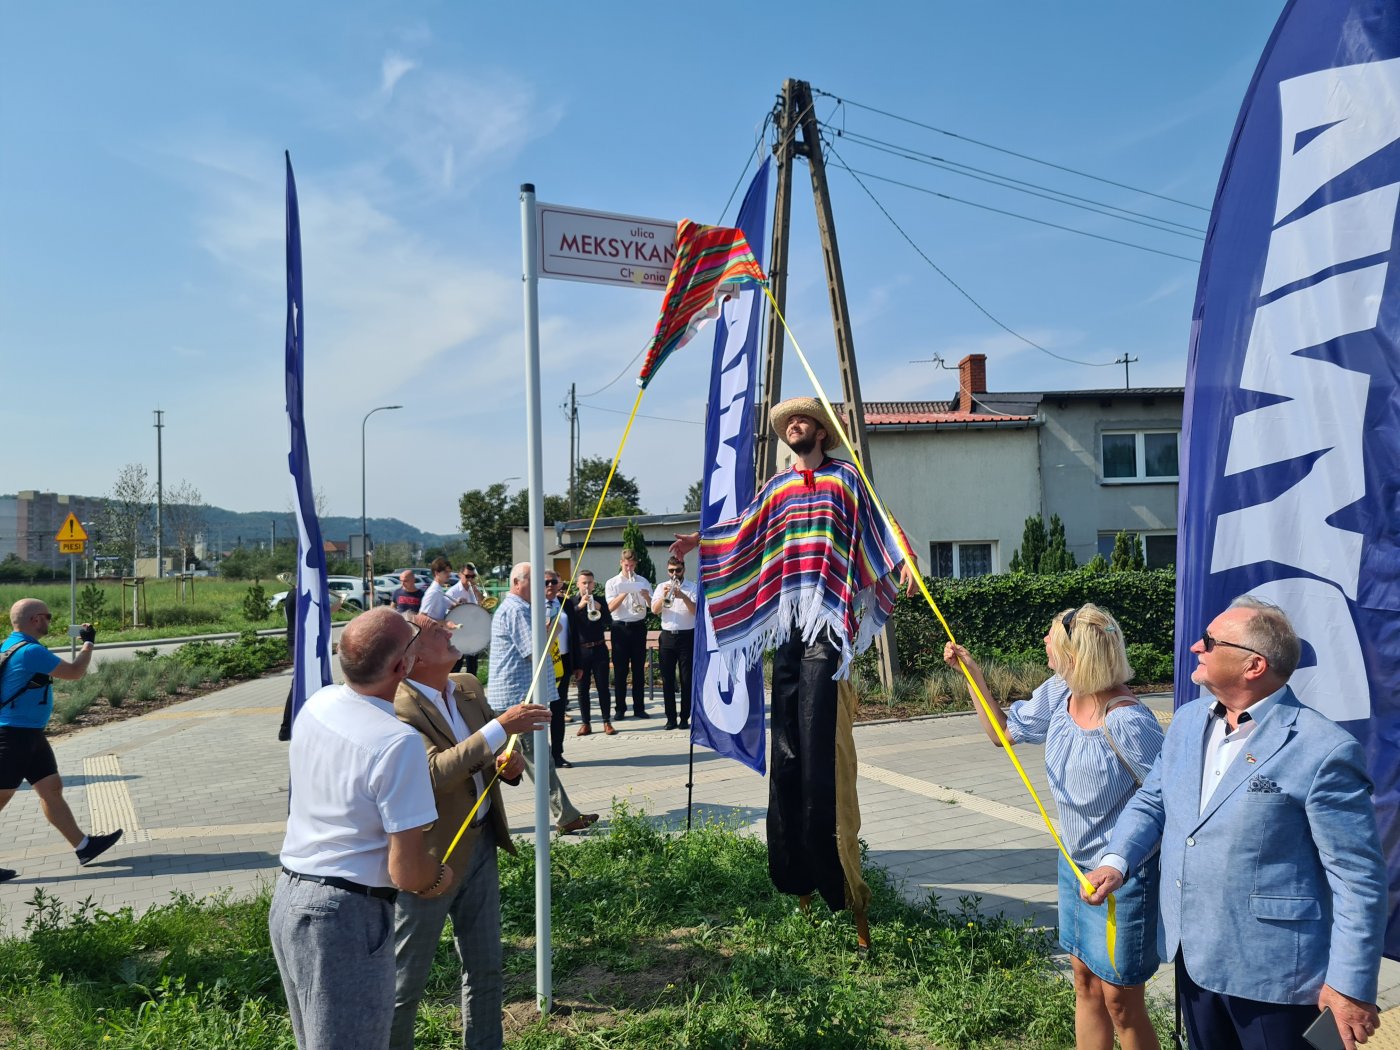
[(806, 569)]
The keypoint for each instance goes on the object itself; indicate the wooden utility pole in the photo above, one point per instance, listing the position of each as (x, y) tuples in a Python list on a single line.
[(799, 136)]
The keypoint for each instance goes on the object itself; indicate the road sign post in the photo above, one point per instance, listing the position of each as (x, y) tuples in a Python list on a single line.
[(72, 541)]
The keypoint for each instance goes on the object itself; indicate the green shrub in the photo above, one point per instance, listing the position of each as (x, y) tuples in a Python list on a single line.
[(92, 604), (1151, 664), (189, 615), (255, 603)]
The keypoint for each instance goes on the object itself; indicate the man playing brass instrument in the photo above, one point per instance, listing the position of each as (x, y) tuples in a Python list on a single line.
[(628, 596)]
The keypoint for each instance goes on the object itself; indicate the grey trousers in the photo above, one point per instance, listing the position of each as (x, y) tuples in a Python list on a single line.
[(475, 908), (335, 951), (561, 809)]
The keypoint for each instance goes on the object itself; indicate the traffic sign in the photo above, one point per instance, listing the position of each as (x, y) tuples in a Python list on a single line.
[(71, 530), (71, 546)]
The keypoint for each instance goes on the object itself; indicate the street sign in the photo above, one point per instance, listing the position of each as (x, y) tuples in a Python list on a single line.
[(72, 546), (598, 246), (69, 531)]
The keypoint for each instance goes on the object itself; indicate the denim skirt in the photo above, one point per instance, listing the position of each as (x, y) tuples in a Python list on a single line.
[(1083, 927)]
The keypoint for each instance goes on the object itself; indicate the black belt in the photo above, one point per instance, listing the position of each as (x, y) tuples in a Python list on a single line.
[(683, 630), (384, 893), (593, 645)]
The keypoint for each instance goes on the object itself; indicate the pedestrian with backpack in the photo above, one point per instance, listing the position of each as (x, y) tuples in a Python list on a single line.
[(27, 671)]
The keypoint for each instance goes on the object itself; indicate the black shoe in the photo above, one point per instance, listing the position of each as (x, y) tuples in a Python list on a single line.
[(619, 716), (284, 733), (670, 725), (6, 874), (640, 714), (96, 846), (563, 763), (683, 724)]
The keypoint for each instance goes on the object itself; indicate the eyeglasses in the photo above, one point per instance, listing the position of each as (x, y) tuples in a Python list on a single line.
[(1068, 621), (416, 632), (1208, 644)]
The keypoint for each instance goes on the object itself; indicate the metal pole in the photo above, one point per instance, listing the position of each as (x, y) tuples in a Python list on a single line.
[(72, 602), (160, 571), (364, 538), (544, 978)]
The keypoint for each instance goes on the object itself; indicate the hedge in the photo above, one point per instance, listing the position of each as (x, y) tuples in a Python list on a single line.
[(1006, 615)]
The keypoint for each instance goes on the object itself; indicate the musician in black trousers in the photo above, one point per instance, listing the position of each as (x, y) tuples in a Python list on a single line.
[(589, 622)]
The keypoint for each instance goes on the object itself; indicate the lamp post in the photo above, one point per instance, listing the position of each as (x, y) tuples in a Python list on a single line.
[(364, 538)]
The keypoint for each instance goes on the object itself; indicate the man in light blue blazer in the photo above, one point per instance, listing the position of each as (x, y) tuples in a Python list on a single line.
[(1273, 884)]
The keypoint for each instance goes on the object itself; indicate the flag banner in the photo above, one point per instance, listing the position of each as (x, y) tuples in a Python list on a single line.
[(1291, 431), (727, 714), (712, 262), (312, 624)]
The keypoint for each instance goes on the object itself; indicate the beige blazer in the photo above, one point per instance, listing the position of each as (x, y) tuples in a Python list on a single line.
[(452, 765)]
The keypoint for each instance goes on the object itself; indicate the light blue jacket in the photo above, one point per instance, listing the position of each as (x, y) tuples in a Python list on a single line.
[(1279, 885)]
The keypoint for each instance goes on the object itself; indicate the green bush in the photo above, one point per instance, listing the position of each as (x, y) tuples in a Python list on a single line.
[(189, 615), (1006, 615), (1150, 663), (247, 657), (92, 604), (255, 603)]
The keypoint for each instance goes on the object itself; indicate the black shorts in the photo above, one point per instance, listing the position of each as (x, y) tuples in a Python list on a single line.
[(25, 754)]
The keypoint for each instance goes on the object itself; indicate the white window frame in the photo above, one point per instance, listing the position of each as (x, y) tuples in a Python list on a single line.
[(1140, 454), (957, 556)]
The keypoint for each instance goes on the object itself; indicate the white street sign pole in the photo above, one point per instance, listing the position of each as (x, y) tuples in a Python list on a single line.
[(544, 681), (72, 602)]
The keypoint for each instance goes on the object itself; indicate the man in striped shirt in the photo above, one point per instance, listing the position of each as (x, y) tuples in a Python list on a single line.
[(806, 570)]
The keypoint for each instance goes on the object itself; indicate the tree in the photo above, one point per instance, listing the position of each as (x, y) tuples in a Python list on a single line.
[(694, 495), (1042, 550), (486, 519), (632, 537), (624, 497), (184, 517), (1127, 553), (128, 515)]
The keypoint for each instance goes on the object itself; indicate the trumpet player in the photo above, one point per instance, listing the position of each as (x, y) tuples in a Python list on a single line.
[(589, 621), (675, 603), (628, 596)]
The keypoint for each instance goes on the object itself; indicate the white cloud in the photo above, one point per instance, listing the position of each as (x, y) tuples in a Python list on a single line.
[(392, 69)]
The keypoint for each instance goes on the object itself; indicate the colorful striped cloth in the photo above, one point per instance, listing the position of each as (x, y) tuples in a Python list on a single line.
[(711, 261), (811, 550)]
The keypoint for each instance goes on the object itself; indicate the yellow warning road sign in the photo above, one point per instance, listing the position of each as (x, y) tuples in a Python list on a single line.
[(71, 546), (69, 531)]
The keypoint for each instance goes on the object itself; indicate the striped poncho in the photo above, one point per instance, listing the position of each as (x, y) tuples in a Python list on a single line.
[(810, 551)]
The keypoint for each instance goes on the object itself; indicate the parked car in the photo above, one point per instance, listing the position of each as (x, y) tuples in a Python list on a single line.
[(424, 577), (384, 588), (351, 590)]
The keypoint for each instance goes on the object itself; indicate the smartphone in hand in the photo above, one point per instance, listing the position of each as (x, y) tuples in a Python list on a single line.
[(1323, 1033)]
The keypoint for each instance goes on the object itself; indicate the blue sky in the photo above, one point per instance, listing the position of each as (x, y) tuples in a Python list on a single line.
[(141, 204)]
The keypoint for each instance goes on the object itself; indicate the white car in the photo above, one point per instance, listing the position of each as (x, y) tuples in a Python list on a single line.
[(384, 588), (351, 590)]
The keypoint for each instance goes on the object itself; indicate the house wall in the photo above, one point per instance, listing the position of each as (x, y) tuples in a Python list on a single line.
[(1071, 470)]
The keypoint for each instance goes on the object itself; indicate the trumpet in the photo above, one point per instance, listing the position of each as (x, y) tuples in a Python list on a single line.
[(594, 613), (670, 598), (636, 603)]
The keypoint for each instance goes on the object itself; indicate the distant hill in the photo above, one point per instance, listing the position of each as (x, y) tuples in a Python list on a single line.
[(224, 528)]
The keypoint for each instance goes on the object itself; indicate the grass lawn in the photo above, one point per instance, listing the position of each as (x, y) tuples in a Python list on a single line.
[(659, 941)]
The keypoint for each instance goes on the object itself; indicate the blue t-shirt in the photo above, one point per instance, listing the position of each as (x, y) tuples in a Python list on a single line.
[(24, 687)]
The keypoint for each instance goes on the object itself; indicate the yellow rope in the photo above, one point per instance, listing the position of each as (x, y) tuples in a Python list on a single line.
[(923, 589), (554, 627)]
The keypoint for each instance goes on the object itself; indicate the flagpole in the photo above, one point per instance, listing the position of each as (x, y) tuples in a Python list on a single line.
[(544, 992)]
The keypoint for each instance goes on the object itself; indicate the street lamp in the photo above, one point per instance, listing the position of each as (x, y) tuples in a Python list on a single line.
[(364, 538)]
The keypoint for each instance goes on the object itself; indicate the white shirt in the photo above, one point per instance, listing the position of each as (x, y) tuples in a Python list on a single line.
[(462, 595), (1223, 746), (358, 775), (492, 732), (435, 602), (677, 617), (620, 585)]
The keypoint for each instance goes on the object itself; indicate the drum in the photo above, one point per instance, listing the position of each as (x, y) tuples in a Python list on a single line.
[(473, 636)]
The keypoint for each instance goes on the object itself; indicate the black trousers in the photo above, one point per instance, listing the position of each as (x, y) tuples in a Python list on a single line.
[(593, 660), (629, 652), (677, 655), (802, 856), (557, 707), (1227, 1022)]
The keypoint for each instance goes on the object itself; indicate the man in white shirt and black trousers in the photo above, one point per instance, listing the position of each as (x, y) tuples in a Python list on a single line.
[(360, 799), (675, 602), (629, 596)]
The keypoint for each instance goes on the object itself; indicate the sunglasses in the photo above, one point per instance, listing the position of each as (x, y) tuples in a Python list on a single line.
[(1208, 644), (468, 575), (674, 572), (1068, 621)]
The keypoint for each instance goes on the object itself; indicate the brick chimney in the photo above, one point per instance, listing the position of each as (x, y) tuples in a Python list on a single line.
[(972, 379)]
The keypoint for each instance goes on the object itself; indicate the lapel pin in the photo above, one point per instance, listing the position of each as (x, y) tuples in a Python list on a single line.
[(1249, 758)]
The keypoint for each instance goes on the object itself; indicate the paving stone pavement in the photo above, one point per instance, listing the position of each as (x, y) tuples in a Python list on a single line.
[(201, 790)]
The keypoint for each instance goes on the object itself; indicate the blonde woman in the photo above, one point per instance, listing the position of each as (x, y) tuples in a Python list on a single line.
[(1099, 744)]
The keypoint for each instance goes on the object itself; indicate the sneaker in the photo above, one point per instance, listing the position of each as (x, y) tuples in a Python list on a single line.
[(96, 846), (6, 874)]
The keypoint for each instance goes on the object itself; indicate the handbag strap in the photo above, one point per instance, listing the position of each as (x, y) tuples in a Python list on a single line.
[(1132, 770)]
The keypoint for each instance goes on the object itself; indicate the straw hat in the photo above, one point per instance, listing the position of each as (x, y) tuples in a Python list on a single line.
[(803, 406)]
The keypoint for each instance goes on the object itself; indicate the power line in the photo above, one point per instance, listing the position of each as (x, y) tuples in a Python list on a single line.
[(643, 415), (957, 287), (1049, 193), (1015, 214), (1011, 152)]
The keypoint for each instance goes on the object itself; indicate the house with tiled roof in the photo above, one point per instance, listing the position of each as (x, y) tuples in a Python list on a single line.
[(962, 475)]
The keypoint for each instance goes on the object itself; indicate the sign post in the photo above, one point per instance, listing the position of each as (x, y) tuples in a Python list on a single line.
[(72, 541)]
